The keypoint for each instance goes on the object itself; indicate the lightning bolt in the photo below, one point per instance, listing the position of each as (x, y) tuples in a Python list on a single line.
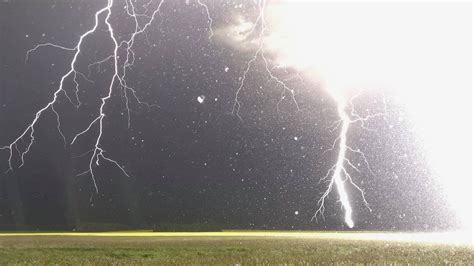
[(97, 153), (259, 53), (206, 8), (72, 72), (338, 175)]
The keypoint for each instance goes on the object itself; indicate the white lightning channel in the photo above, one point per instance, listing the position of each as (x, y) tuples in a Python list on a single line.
[(340, 174), (209, 18), (50, 105), (142, 21), (259, 53), (345, 47)]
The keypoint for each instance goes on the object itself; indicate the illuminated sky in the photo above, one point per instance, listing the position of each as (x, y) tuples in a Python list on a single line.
[(191, 160), (417, 53)]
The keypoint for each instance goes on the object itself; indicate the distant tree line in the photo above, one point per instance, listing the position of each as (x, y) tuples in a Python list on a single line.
[(105, 227)]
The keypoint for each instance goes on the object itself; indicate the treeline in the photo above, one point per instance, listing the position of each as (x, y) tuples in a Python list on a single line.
[(194, 227), (107, 227)]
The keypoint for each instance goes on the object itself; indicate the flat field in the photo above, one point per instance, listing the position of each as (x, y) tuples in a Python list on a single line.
[(233, 248)]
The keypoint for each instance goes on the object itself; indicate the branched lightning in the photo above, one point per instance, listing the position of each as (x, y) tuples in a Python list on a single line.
[(30, 129), (260, 53), (337, 175), (339, 172), (142, 22)]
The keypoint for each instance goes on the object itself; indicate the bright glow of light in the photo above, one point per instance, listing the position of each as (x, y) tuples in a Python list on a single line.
[(456, 238), (418, 53)]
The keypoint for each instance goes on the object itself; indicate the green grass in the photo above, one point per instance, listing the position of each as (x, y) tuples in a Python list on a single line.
[(228, 248)]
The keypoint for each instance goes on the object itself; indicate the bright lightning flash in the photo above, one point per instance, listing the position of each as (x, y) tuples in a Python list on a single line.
[(403, 50), (340, 174), (142, 20)]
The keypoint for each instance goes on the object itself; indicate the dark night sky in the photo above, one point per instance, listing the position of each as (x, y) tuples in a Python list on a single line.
[(189, 161)]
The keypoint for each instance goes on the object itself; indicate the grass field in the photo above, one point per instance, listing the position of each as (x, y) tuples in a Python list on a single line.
[(231, 248)]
